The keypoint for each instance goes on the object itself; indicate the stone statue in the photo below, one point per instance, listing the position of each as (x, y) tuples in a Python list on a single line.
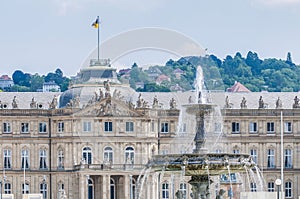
[(220, 194), (76, 102), (179, 194), (190, 100), (172, 103), (139, 102), (155, 102), (261, 103), (278, 103), (14, 102), (101, 95), (107, 85), (54, 103), (296, 102), (244, 103), (33, 103), (227, 103)]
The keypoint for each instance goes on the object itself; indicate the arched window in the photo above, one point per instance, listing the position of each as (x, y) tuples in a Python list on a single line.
[(133, 188), (112, 189), (25, 158), (165, 190), (60, 159), (90, 189), (129, 155), (87, 155), (108, 155)]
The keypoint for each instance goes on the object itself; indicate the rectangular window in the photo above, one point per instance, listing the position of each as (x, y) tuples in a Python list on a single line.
[(253, 127), (271, 158), (270, 127), (235, 127), (87, 126), (7, 188), (24, 127), (25, 188), (236, 151), (43, 190), (253, 153), (287, 127), (25, 159), (253, 187), (271, 187), (288, 189), (182, 189), (6, 127), (42, 127), (7, 158), (108, 126), (129, 126), (43, 159), (288, 159), (60, 127), (164, 127), (165, 191), (60, 159)]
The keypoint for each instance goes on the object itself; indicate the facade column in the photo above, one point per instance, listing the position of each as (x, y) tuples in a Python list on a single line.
[(126, 186), (105, 186), (82, 189)]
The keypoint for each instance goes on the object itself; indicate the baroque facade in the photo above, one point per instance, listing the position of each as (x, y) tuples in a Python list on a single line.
[(94, 140)]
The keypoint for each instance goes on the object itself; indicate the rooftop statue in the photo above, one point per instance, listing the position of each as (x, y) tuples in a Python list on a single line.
[(278, 103), (54, 103), (227, 103), (172, 103), (14, 102), (33, 103), (296, 102), (244, 103)]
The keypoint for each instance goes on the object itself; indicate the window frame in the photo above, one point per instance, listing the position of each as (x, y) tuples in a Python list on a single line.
[(108, 126), (24, 127), (129, 126), (7, 128), (43, 127), (164, 127), (253, 127), (271, 127), (87, 126), (235, 127)]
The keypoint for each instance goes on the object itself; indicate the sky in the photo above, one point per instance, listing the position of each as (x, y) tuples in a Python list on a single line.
[(40, 36)]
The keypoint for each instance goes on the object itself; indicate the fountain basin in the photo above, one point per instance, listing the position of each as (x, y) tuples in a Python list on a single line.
[(202, 164)]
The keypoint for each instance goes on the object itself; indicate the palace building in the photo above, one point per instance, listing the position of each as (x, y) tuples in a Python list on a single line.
[(94, 140)]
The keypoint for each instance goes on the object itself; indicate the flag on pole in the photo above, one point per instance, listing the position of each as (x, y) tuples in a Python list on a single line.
[(96, 23)]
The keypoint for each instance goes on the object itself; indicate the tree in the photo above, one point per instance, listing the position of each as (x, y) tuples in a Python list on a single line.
[(36, 82), (18, 76)]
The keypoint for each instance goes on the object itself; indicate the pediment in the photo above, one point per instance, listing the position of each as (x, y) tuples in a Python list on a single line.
[(107, 107)]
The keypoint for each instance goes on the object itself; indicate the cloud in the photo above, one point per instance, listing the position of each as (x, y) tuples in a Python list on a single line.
[(278, 2), (66, 6)]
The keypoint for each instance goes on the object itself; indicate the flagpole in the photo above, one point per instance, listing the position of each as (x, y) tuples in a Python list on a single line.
[(98, 38)]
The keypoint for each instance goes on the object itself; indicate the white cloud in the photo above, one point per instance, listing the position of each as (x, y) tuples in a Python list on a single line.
[(65, 6), (278, 2)]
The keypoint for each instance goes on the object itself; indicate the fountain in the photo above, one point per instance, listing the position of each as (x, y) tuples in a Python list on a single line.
[(201, 164)]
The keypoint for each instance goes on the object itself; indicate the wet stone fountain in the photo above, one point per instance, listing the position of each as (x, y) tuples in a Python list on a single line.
[(201, 164)]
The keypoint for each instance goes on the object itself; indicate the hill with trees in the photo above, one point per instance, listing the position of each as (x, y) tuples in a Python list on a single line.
[(273, 75)]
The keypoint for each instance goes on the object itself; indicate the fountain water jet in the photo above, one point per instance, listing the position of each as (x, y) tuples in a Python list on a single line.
[(199, 163)]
